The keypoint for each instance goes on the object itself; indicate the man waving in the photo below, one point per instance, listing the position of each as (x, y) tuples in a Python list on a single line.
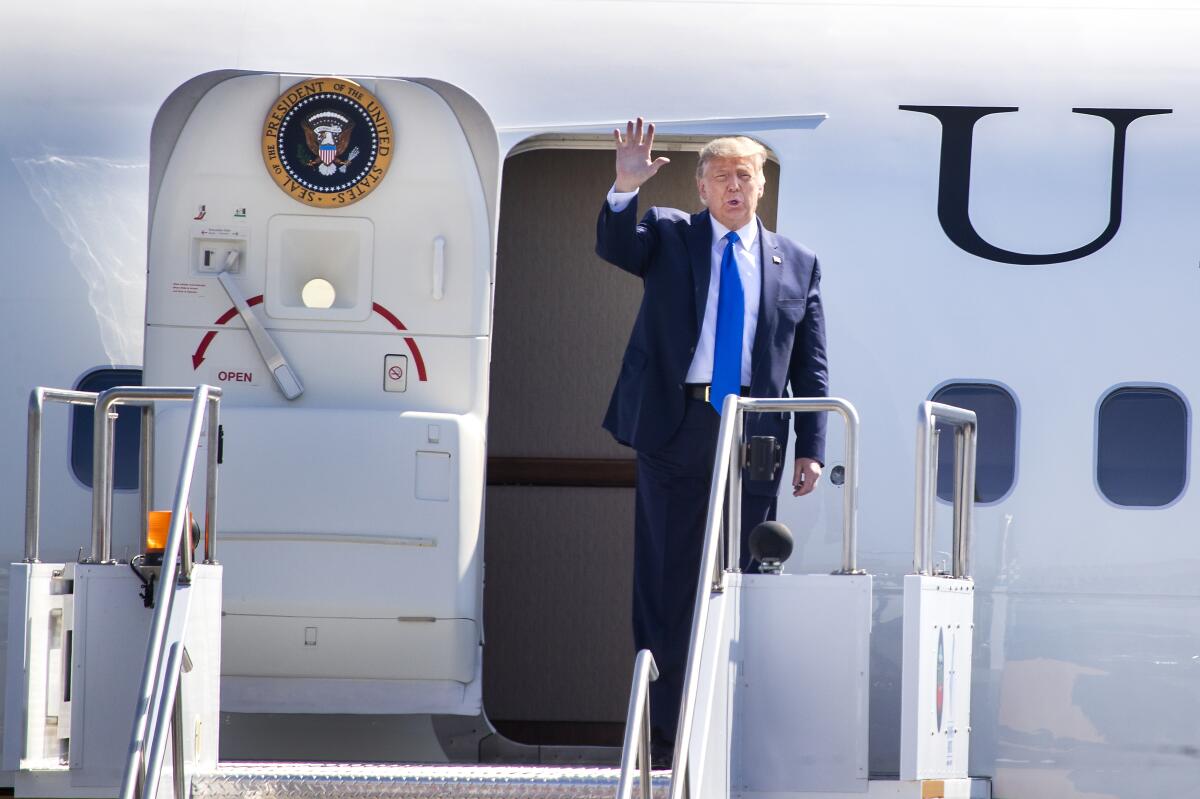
[(728, 307)]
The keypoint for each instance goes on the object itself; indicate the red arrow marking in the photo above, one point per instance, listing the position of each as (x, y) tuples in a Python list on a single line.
[(388, 315), (412, 344), (198, 356)]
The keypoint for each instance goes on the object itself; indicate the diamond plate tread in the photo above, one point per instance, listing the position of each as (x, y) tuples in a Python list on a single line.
[(351, 781)]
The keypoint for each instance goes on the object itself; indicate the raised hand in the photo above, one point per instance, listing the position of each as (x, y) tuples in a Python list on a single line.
[(634, 166)]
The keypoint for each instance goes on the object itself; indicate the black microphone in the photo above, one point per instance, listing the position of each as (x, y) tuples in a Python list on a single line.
[(771, 544)]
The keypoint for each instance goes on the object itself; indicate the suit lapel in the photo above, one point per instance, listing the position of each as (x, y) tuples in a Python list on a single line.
[(699, 244), (764, 333)]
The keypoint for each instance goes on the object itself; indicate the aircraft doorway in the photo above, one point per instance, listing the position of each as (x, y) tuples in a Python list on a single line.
[(558, 657)]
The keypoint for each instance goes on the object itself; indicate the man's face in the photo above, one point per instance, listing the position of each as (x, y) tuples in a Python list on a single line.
[(730, 188)]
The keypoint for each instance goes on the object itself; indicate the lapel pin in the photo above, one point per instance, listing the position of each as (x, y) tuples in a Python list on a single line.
[(775, 259)]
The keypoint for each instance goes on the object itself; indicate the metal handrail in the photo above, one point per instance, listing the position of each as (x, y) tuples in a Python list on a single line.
[(33, 457), (150, 724), (102, 455), (966, 432), (636, 749), (146, 465), (159, 706), (850, 492), (712, 572), (166, 713)]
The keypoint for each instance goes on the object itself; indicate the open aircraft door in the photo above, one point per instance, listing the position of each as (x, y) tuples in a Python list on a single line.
[(560, 497), (322, 249)]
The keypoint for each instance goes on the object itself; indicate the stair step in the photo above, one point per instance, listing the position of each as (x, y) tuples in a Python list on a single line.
[(376, 781)]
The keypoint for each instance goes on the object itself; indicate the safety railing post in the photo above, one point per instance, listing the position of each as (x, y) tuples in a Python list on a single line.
[(33, 458), (966, 429), (967, 441), (920, 506), (103, 426), (146, 461), (177, 756), (850, 493), (637, 728), (210, 493), (110, 481), (733, 496), (33, 475), (931, 489), (721, 497), (163, 717)]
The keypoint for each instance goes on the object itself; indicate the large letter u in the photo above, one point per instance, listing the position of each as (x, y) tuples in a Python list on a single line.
[(954, 181)]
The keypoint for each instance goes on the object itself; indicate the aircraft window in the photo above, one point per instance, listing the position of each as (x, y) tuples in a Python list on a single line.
[(996, 455), (125, 459), (1141, 446)]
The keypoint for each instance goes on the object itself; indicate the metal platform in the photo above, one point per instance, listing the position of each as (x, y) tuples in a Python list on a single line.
[(353, 781)]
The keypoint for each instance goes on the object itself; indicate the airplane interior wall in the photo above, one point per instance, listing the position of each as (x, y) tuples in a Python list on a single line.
[(559, 652)]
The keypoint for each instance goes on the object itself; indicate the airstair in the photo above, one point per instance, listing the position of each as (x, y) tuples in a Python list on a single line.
[(116, 689)]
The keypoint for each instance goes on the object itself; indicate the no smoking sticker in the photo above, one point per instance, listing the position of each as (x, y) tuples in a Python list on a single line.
[(395, 372)]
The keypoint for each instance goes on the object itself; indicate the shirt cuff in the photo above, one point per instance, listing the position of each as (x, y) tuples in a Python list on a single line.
[(618, 201)]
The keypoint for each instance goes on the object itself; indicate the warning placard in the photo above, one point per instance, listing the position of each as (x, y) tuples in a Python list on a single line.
[(395, 372)]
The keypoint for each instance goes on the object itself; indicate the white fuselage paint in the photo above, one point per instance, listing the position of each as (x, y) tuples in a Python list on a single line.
[(1087, 620)]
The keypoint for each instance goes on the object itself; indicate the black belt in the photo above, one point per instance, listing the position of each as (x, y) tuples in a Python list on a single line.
[(703, 391)]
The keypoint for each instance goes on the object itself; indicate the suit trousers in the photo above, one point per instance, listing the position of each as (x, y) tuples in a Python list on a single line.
[(672, 503)]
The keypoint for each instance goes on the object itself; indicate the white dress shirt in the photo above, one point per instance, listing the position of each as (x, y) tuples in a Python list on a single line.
[(745, 255)]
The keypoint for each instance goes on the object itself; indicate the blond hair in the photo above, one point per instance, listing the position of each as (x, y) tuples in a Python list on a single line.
[(731, 147)]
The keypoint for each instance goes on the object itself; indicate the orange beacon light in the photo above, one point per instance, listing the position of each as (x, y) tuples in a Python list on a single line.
[(158, 526)]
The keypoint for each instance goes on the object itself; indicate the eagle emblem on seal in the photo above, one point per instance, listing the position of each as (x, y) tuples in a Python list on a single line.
[(327, 134), (327, 142)]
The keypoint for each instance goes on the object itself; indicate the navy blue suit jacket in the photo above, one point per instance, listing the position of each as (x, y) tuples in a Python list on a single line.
[(671, 252)]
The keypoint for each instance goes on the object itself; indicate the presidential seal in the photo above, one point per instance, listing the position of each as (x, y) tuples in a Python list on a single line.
[(327, 142)]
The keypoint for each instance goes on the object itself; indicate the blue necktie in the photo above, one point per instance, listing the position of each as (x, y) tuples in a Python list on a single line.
[(731, 309)]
